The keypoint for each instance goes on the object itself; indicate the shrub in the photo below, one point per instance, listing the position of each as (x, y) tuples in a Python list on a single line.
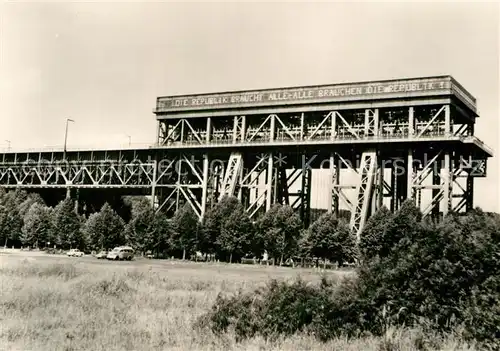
[(330, 238), (370, 239), (439, 277), (279, 308), (447, 274)]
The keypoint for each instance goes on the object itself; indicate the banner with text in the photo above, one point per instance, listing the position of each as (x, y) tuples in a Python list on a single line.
[(304, 95)]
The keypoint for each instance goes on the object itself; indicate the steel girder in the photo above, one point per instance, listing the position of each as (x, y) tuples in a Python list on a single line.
[(182, 168)]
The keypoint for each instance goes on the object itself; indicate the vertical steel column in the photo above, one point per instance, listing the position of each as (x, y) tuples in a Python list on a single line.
[(182, 130), (158, 129), (235, 128), (177, 188), (243, 128), (243, 132), (275, 186), (204, 189), (331, 193), (410, 171), (282, 191), (269, 182), (302, 126), (380, 189), (334, 127), (336, 183), (367, 122), (377, 185), (436, 182), (469, 193), (153, 183), (272, 129), (305, 204), (411, 121), (239, 184), (447, 121), (209, 130), (447, 183), (394, 188)]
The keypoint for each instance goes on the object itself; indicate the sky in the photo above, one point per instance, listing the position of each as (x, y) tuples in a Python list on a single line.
[(104, 64)]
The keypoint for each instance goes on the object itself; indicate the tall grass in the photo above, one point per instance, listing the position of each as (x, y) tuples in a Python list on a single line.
[(62, 305)]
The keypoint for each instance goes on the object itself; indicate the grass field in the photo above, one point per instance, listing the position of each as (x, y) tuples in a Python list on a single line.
[(59, 303)]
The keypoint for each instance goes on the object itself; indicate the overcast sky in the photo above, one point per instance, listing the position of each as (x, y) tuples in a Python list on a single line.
[(103, 65)]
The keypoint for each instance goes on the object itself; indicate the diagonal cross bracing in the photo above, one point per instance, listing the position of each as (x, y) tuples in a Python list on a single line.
[(231, 176), (364, 190)]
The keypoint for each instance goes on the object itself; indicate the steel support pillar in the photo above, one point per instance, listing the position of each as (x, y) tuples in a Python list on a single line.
[(436, 182), (204, 194), (269, 182), (410, 170), (381, 182), (447, 183), (334, 177), (153, 184), (394, 188), (378, 186), (305, 206), (470, 193)]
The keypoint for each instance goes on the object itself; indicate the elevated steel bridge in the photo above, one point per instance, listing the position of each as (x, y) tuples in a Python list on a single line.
[(378, 143)]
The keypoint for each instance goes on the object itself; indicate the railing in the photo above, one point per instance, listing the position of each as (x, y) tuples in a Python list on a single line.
[(60, 148), (325, 138)]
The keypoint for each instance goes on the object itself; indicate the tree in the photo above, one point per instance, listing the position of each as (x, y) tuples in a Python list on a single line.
[(279, 229), (161, 234), (105, 229), (67, 225), (211, 227), (185, 230), (447, 274), (370, 243), (331, 239), (405, 224), (139, 230), (236, 233), (33, 198), (37, 226), (12, 221), (4, 230)]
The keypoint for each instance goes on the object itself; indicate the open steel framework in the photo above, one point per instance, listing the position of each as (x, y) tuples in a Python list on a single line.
[(390, 140)]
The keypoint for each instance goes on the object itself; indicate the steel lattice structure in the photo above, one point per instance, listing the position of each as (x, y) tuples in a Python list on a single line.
[(391, 140)]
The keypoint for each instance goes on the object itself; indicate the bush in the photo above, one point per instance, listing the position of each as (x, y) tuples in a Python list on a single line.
[(446, 274), (437, 277), (279, 308)]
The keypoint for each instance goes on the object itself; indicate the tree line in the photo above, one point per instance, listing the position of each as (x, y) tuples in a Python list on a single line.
[(434, 277), (226, 232)]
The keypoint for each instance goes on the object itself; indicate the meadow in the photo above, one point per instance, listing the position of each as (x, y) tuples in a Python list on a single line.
[(59, 303)]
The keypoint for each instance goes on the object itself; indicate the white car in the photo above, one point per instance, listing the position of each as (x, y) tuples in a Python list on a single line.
[(121, 253), (74, 253)]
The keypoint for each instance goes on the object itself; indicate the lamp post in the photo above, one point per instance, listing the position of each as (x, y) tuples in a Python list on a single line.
[(8, 143), (66, 136)]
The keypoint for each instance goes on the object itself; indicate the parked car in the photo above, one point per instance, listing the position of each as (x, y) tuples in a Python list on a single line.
[(74, 253), (121, 253), (101, 255)]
